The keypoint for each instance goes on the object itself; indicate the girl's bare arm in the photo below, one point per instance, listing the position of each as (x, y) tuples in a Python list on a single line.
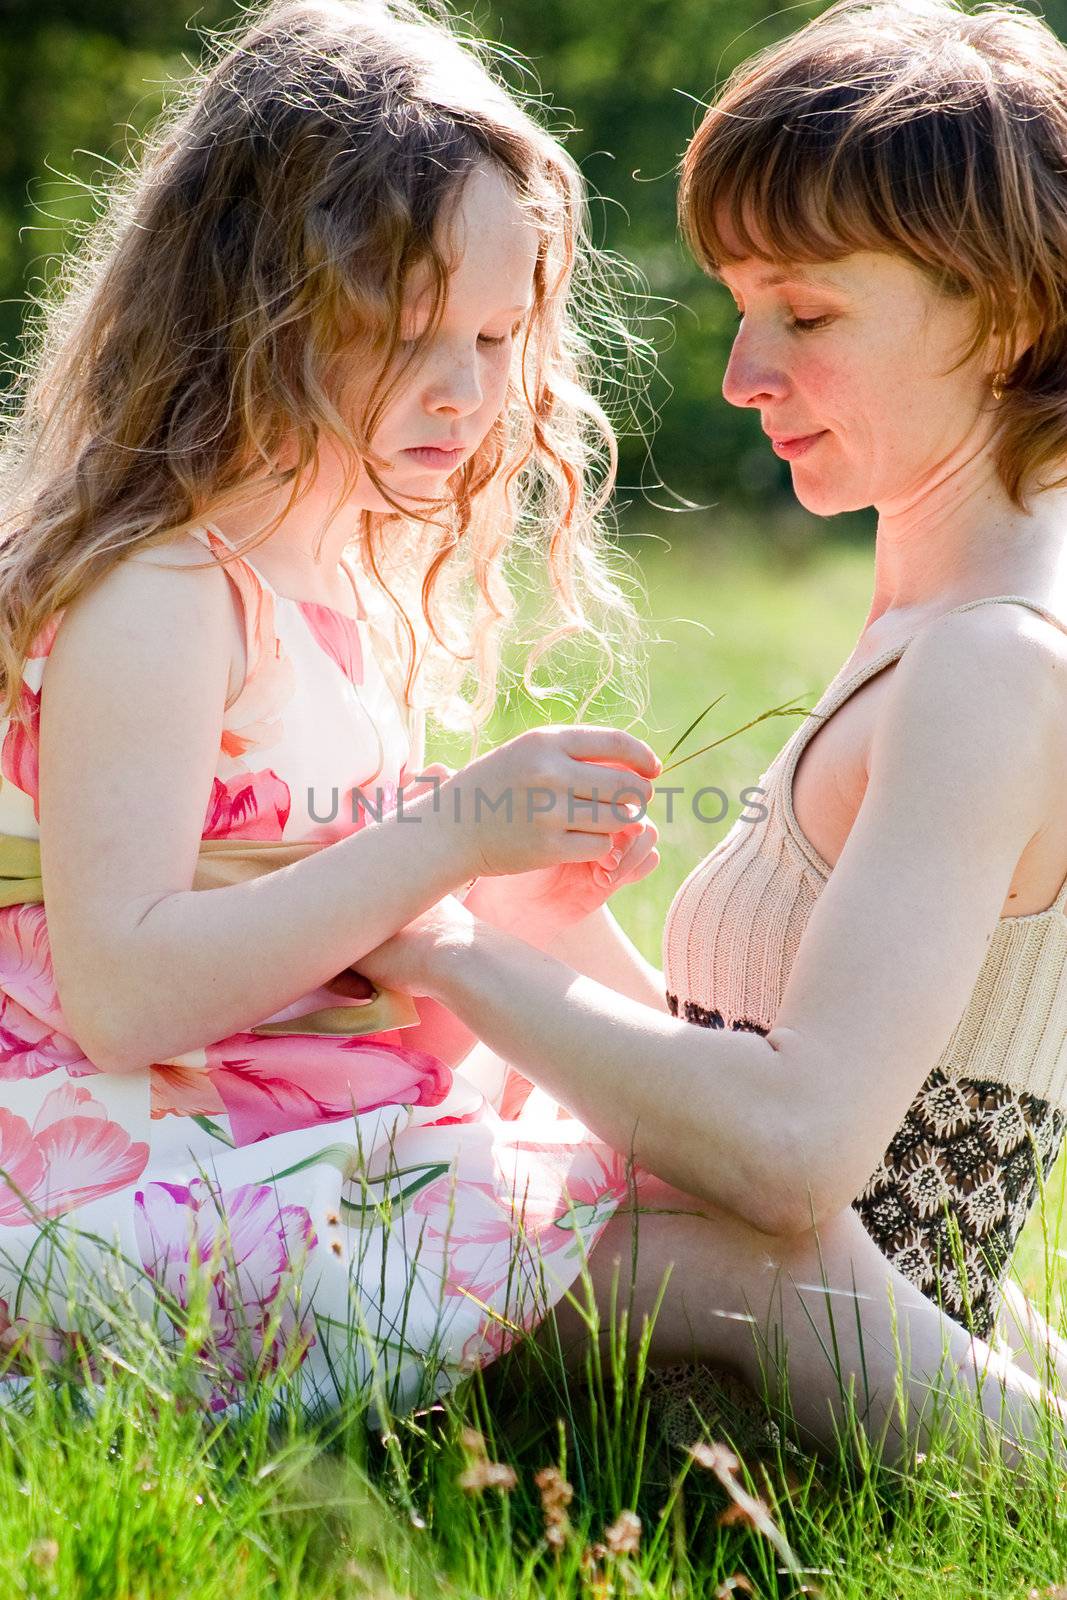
[(598, 947), (131, 716), (146, 967)]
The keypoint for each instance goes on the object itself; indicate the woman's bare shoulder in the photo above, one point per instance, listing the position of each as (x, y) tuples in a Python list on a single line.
[(983, 691)]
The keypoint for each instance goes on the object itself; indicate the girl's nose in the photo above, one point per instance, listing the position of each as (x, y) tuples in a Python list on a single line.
[(455, 386), (752, 377)]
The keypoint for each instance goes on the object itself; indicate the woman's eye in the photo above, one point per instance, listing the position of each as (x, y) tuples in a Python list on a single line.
[(808, 324)]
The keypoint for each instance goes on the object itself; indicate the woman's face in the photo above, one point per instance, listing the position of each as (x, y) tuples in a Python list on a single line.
[(848, 364), (439, 414)]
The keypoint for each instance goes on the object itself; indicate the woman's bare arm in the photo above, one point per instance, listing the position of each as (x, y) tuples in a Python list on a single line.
[(598, 947), (788, 1128)]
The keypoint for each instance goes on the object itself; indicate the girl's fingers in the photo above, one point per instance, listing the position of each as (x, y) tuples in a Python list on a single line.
[(587, 779), (611, 744), (636, 841)]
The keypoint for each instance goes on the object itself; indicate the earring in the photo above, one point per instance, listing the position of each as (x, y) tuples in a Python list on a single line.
[(999, 380)]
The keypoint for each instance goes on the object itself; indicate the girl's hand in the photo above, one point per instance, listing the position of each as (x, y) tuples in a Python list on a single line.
[(538, 905), (409, 959), (550, 797)]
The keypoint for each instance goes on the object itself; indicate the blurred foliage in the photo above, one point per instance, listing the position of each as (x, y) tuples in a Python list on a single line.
[(629, 77)]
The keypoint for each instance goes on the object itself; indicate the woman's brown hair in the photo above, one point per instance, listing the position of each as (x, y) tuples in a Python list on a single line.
[(920, 128), (253, 257)]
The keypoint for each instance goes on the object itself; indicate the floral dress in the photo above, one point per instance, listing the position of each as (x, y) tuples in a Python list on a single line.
[(350, 1205)]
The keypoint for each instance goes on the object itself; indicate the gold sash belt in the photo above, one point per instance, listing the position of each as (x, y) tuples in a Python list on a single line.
[(222, 862)]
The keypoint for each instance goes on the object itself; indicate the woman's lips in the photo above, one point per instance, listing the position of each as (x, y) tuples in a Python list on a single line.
[(430, 456), (800, 444)]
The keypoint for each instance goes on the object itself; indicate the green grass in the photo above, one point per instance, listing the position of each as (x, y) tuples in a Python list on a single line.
[(129, 1490)]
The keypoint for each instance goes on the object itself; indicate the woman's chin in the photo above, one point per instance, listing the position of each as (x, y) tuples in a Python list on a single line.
[(823, 499)]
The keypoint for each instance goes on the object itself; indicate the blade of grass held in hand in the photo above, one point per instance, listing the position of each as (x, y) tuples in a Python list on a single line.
[(694, 724), (784, 710)]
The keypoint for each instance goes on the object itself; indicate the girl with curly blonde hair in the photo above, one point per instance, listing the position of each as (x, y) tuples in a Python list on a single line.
[(315, 379)]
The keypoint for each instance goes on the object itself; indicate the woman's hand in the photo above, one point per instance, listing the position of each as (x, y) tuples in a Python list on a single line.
[(539, 904), (548, 798), (411, 959)]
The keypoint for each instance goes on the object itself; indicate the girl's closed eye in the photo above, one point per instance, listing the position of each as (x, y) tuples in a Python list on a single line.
[(503, 338)]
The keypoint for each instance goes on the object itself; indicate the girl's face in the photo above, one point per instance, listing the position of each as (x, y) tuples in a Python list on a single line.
[(439, 415), (848, 364)]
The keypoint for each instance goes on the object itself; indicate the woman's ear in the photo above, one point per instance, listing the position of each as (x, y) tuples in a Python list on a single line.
[(1012, 345)]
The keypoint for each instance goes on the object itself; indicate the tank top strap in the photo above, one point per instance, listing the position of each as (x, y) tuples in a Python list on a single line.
[(838, 692), (1013, 599), (834, 697)]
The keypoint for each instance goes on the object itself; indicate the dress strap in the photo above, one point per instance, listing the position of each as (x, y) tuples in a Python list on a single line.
[(361, 611), (256, 598)]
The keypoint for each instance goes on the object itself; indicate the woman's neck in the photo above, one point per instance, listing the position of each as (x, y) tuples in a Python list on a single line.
[(961, 538)]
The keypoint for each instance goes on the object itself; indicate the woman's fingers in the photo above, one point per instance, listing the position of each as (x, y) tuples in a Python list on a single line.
[(637, 855)]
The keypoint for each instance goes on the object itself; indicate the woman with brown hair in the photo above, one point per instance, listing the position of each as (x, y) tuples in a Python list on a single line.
[(877, 1081)]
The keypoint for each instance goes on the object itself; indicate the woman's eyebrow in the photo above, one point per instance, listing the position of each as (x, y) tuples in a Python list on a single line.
[(777, 278)]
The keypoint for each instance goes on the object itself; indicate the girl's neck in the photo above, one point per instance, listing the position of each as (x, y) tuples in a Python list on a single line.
[(302, 557)]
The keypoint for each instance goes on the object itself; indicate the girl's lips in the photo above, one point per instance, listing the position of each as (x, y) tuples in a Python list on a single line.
[(429, 456), (789, 449)]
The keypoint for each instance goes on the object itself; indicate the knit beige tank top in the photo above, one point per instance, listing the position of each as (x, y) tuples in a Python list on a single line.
[(731, 936)]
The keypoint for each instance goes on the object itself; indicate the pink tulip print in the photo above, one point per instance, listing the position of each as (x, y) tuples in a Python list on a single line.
[(338, 636), (19, 753), (33, 1040), (248, 1242), (25, 1343), (72, 1155), (271, 1084), (250, 805), (487, 1230)]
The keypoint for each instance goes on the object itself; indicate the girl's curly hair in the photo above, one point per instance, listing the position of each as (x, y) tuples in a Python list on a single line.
[(250, 264)]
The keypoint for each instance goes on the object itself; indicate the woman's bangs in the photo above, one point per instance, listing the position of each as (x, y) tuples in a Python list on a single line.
[(779, 200)]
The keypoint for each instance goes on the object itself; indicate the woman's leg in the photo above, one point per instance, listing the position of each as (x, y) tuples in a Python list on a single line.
[(1035, 1346), (738, 1298)]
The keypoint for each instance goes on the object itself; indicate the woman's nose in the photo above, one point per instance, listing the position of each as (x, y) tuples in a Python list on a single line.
[(752, 376)]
